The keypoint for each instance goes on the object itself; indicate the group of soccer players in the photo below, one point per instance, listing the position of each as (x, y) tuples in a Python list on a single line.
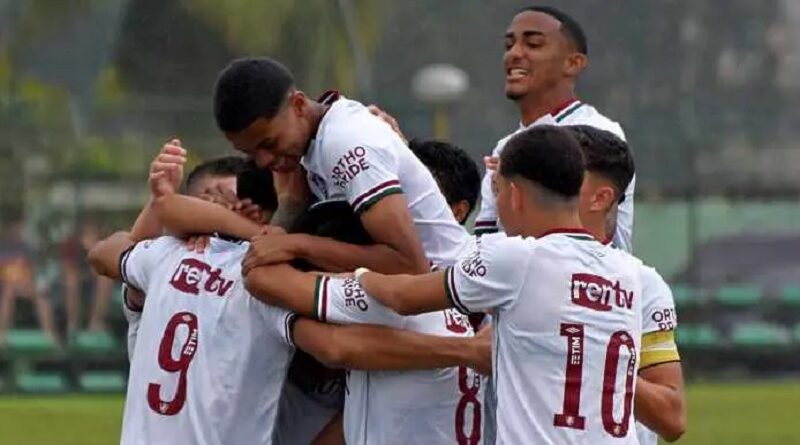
[(325, 291)]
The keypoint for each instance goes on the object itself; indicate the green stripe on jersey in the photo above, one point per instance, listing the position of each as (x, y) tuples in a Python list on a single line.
[(393, 190), (563, 115)]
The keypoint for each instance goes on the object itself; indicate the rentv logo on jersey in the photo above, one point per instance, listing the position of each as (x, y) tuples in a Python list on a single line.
[(598, 293), (192, 273)]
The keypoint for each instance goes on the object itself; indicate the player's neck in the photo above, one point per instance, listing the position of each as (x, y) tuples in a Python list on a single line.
[(554, 221), (533, 106), (316, 113), (596, 225)]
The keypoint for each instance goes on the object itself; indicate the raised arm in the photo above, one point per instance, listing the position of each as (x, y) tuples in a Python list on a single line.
[(105, 255), (371, 347), (185, 215)]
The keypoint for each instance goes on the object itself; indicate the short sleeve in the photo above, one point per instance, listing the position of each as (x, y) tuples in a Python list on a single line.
[(486, 221), (139, 262), (282, 322), (133, 315), (363, 174), (343, 301), (490, 276), (658, 312), (623, 234)]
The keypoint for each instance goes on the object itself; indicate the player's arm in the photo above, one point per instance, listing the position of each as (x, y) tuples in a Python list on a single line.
[(408, 294), (659, 402), (485, 279), (284, 286), (396, 249), (371, 347), (105, 255), (186, 215), (332, 433)]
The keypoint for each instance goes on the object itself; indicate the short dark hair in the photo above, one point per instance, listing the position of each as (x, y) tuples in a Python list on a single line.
[(548, 156), (569, 26), (256, 184), (331, 219), (451, 166), (605, 154), (224, 166), (250, 88)]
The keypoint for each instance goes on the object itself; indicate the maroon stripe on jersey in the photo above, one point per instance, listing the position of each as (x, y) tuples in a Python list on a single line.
[(373, 190), (329, 97), (452, 293), (563, 107), (486, 223)]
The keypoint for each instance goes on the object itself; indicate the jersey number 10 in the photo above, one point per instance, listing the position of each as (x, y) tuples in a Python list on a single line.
[(169, 364), (570, 416)]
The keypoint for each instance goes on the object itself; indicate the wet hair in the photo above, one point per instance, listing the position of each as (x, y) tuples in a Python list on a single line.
[(248, 89), (455, 172), (547, 156), (605, 154), (569, 26)]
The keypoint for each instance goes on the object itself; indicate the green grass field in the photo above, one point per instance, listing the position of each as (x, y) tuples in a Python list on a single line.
[(747, 414)]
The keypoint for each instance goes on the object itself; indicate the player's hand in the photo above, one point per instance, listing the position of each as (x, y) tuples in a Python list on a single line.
[(166, 170), (483, 347), (269, 249), (197, 243), (492, 163), (386, 117)]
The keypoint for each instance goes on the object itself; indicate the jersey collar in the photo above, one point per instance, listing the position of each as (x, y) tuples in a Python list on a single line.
[(557, 114), (572, 232)]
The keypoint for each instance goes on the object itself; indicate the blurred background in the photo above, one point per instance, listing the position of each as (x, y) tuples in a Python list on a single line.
[(707, 91)]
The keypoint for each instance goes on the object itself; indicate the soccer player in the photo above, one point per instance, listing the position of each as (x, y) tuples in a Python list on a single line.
[(210, 360), (659, 401), (545, 52), (455, 172), (564, 305), (348, 154)]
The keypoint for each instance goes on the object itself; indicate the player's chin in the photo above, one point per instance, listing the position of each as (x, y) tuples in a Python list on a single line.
[(515, 91)]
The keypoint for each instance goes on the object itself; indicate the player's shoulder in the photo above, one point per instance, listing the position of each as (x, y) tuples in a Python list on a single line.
[(349, 123), (162, 244), (586, 114)]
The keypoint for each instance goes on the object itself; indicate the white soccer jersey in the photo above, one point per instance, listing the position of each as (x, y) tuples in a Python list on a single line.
[(567, 328), (576, 113), (133, 315), (357, 157), (428, 407), (210, 360), (659, 321)]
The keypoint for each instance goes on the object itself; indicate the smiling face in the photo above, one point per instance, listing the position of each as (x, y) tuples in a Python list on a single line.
[(538, 55), (277, 143)]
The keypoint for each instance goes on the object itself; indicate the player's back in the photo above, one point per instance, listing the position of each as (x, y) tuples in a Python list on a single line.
[(210, 360), (567, 345), (359, 158)]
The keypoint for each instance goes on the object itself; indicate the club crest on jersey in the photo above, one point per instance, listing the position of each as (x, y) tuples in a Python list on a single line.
[(193, 274), (597, 293), (354, 295), (349, 166)]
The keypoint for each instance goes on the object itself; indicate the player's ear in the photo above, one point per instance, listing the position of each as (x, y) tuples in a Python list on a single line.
[(297, 102), (515, 196), (575, 64), (603, 198)]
